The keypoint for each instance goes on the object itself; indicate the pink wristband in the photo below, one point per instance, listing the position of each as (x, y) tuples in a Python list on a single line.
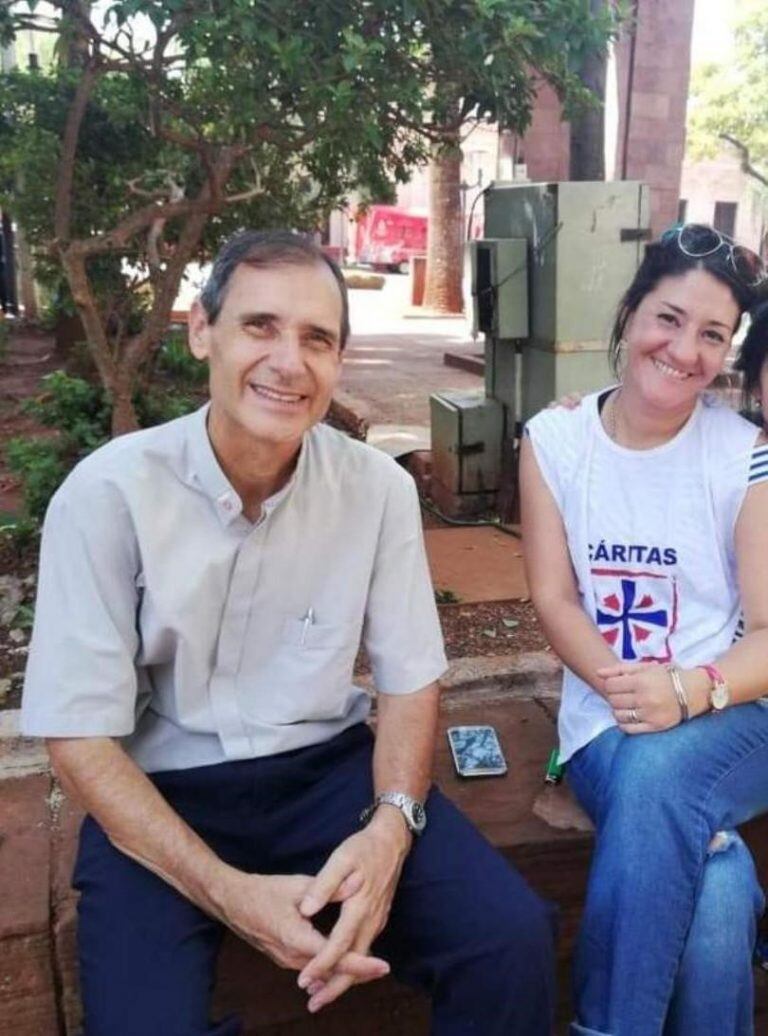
[(714, 674), (720, 692)]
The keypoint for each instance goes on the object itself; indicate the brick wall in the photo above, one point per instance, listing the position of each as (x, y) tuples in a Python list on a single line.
[(655, 142), (546, 145)]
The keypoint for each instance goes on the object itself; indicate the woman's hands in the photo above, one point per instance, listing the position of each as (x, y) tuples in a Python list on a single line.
[(643, 699)]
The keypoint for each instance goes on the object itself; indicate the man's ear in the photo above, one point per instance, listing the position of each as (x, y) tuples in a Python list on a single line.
[(197, 331)]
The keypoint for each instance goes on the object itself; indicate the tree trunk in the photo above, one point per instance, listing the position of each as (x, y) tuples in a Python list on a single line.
[(442, 290), (124, 417), (588, 129), (27, 287)]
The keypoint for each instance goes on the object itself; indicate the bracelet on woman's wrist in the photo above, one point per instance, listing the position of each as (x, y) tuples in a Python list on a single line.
[(680, 693)]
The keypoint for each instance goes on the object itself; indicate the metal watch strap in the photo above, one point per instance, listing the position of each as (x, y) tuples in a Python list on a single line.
[(412, 810)]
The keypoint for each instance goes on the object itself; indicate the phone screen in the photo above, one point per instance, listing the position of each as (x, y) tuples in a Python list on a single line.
[(476, 751)]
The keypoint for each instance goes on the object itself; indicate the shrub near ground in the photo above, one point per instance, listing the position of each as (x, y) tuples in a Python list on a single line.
[(78, 412)]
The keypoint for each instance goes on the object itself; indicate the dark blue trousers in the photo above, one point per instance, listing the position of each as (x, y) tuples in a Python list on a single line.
[(464, 926)]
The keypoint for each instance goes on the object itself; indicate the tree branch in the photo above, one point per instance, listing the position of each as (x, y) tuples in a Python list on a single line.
[(77, 277), (166, 286), (64, 182), (746, 164), (231, 199), (119, 236)]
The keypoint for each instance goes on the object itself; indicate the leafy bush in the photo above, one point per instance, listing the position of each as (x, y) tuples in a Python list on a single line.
[(76, 408), (41, 467), (80, 413), (156, 407), (177, 361), (21, 533)]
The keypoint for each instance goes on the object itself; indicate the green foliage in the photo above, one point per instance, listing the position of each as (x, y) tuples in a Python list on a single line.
[(446, 597), (154, 407), (79, 413), (77, 409), (24, 619), (21, 532), (732, 97), (40, 466), (175, 360), (255, 113)]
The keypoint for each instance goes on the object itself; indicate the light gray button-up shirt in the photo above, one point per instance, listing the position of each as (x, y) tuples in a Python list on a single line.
[(166, 618)]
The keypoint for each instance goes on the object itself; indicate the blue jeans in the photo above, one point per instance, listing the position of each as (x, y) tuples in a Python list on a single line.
[(670, 918)]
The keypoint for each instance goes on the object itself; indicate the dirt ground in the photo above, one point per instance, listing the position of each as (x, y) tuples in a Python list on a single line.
[(491, 628)]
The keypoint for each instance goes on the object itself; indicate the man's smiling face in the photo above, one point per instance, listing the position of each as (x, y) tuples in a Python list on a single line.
[(274, 351)]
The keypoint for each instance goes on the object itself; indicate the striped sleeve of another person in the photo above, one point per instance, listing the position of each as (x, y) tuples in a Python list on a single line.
[(758, 472)]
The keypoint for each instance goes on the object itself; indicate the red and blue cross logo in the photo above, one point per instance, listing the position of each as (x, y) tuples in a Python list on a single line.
[(636, 612)]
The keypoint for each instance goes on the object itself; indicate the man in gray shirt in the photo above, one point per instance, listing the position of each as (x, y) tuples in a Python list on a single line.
[(204, 587)]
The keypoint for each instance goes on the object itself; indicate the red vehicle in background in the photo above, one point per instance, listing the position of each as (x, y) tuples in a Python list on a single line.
[(387, 237)]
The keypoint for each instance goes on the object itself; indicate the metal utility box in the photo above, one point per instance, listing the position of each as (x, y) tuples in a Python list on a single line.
[(585, 241), (500, 287), (545, 283), (467, 431)]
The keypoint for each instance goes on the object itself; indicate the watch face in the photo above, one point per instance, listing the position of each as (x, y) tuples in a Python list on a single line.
[(418, 816), (720, 696)]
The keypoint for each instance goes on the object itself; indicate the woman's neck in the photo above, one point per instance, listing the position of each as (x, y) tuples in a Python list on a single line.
[(634, 424)]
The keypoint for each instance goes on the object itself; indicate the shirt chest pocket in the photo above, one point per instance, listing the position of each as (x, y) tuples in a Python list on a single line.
[(308, 677)]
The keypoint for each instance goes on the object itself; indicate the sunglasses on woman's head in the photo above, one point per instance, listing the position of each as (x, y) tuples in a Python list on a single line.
[(698, 241)]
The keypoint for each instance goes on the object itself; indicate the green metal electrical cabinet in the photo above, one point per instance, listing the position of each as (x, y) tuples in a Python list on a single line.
[(545, 284), (585, 241), (467, 433)]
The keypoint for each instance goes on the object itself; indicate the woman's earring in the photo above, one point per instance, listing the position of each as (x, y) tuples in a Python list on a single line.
[(621, 356)]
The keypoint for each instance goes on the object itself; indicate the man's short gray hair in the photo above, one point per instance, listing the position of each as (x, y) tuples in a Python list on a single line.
[(264, 249)]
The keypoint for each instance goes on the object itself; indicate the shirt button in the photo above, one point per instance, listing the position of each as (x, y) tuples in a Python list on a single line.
[(227, 505)]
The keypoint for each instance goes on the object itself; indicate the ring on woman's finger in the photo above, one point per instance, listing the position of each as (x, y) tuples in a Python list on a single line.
[(633, 716)]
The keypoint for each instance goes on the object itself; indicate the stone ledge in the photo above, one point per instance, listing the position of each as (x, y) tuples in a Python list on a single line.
[(19, 756), (526, 675), (352, 413)]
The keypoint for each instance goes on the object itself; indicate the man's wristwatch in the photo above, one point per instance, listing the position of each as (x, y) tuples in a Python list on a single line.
[(413, 811), (720, 692)]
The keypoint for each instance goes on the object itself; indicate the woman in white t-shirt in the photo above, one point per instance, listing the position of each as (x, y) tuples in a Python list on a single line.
[(645, 537)]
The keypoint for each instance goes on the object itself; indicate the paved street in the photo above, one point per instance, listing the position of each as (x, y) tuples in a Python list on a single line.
[(395, 361)]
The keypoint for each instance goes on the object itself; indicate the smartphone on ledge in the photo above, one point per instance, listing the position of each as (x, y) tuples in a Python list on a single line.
[(476, 751)]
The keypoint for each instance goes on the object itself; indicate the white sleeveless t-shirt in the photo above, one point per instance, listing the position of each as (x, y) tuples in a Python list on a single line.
[(651, 538)]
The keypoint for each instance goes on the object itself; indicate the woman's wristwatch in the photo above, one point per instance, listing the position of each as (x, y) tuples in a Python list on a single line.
[(719, 691)]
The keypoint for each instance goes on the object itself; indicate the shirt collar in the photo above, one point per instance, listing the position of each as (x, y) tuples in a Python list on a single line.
[(205, 472)]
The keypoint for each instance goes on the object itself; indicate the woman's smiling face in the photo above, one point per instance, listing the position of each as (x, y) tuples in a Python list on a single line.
[(677, 339)]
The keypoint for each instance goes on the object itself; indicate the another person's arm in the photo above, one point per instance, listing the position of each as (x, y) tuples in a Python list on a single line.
[(551, 579)]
